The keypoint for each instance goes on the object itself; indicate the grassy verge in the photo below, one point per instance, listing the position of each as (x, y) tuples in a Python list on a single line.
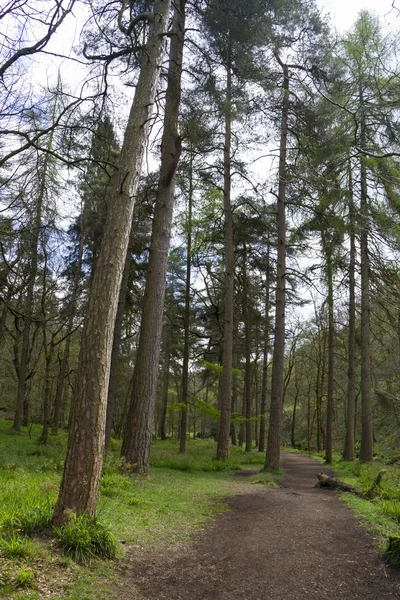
[(181, 493), (381, 515)]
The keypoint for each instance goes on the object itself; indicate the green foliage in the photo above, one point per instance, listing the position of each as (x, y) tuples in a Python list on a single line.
[(200, 456), (206, 409), (84, 538), (15, 546), (381, 515), (25, 578), (28, 520), (211, 366), (391, 509), (393, 550), (111, 484), (181, 493)]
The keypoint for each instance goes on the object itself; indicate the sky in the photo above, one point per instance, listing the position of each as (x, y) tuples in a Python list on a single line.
[(344, 12)]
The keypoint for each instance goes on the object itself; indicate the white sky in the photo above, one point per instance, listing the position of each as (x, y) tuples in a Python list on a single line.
[(344, 12)]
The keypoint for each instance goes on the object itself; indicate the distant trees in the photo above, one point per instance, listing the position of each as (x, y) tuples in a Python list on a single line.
[(288, 181)]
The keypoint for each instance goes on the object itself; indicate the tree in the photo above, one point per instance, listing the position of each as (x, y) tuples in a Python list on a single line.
[(274, 442), (234, 50), (82, 469), (139, 430), (368, 90), (40, 181)]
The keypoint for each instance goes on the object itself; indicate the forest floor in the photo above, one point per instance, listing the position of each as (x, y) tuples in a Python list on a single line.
[(292, 541)]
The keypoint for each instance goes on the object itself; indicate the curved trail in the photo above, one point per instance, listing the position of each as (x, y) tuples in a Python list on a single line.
[(292, 542)]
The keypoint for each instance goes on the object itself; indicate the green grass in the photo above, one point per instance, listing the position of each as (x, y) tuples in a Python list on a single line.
[(16, 546), (84, 538), (381, 515), (200, 456), (181, 493)]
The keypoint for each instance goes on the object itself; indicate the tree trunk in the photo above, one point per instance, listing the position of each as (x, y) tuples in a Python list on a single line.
[(112, 384), (329, 407), (64, 362), (272, 458), (3, 321), (139, 429), (29, 300), (226, 379), (49, 352), (293, 427), (164, 398), (247, 352), (186, 321), (366, 449), (236, 366), (263, 408), (83, 464), (348, 452)]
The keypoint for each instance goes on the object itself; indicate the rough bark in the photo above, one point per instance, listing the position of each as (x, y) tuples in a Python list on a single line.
[(366, 448), (83, 464), (277, 377), (227, 353), (112, 384), (139, 429), (70, 325), (247, 352), (3, 320), (186, 319), (331, 333), (263, 408), (49, 352), (164, 398), (236, 366), (335, 484), (348, 452)]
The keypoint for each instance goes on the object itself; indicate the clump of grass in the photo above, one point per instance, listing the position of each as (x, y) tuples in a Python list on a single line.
[(134, 502), (25, 578), (28, 520), (16, 546), (391, 509), (111, 484), (84, 538), (266, 478), (393, 550)]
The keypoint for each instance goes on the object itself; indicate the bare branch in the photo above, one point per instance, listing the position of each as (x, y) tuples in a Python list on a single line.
[(54, 24)]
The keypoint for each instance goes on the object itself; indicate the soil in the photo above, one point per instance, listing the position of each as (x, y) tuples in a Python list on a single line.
[(291, 542)]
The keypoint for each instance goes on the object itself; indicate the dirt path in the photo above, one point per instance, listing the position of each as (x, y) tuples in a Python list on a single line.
[(292, 542)]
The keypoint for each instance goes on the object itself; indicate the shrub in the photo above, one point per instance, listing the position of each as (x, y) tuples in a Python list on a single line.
[(84, 538)]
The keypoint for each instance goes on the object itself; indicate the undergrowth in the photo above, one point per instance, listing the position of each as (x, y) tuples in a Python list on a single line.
[(381, 515), (84, 538), (179, 495)]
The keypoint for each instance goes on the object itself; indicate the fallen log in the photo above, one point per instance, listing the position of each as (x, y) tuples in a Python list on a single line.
[(332, 483), (335, 484)]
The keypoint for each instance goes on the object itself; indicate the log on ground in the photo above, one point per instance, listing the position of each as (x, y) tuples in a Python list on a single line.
[(335, 484)]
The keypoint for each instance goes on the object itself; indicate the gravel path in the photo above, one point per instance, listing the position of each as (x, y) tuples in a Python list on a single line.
[(292, 542)]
